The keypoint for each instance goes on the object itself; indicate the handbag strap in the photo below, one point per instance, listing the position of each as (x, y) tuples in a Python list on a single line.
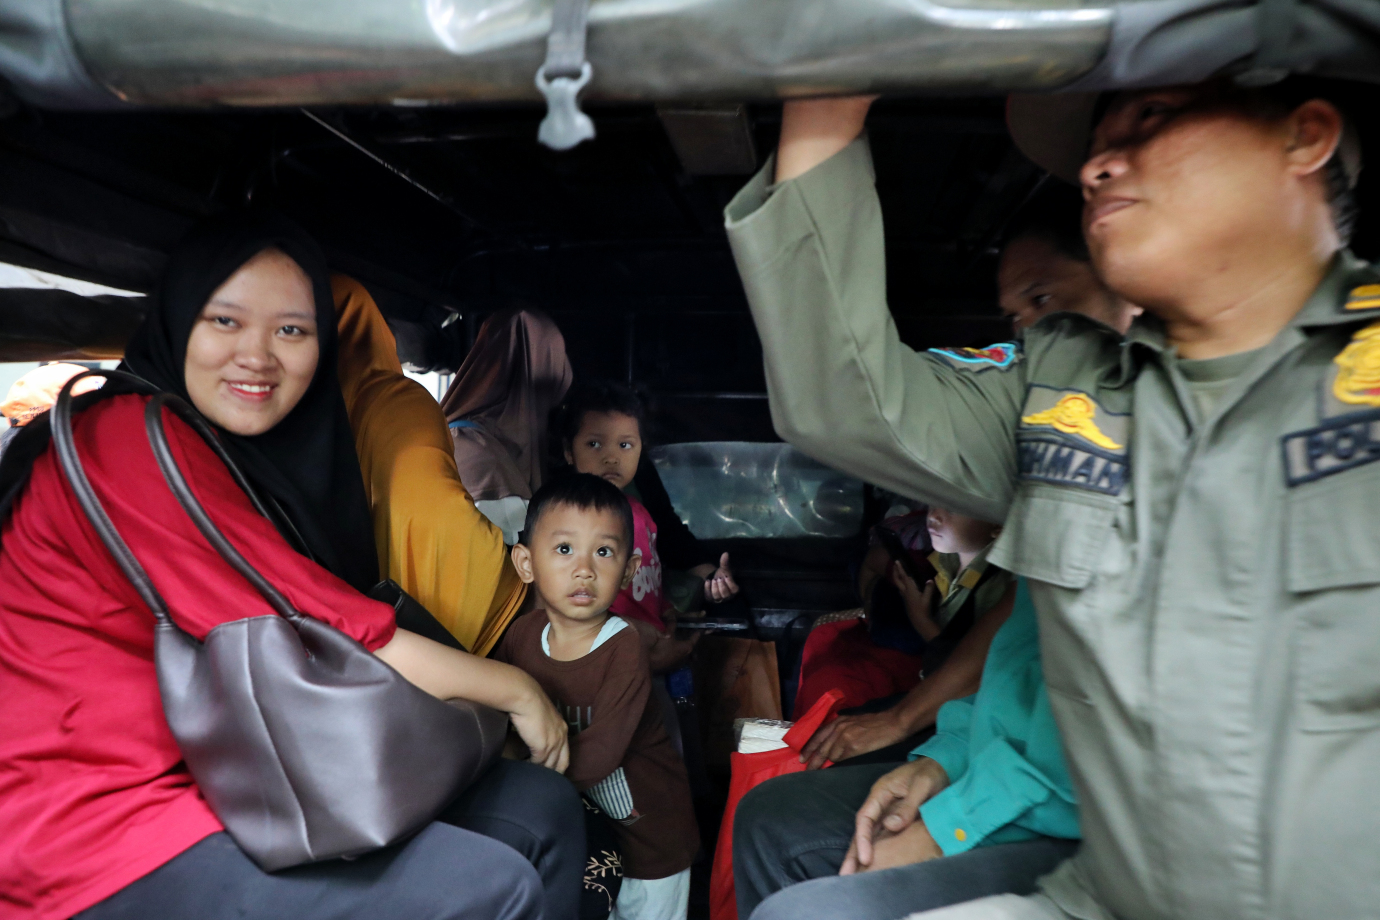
[(162, 452), (64, 445), (70, 461)]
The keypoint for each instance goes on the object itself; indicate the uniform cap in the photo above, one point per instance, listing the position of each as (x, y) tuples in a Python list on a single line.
[(1054, 131)]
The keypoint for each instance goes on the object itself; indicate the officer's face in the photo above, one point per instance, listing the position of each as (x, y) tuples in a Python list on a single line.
[(1181, 183)]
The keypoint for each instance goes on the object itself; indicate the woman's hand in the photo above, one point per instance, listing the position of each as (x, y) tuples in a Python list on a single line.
[(542, 729), (813, 130), (719, 586), (450, 674), (919, 601), (892, 808)]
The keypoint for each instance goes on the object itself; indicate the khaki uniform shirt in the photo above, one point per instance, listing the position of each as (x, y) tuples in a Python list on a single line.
[(1208, 589), (955, 583)]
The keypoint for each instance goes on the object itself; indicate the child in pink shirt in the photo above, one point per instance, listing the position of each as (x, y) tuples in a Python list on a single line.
[(603, 437)]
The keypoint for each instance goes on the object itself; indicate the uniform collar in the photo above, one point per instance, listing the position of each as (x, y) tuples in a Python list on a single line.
[(948, 575), (1145, 337), (1349, 292)]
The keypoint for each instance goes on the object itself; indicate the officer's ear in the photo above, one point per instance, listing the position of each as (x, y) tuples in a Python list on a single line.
[(1314, 130)]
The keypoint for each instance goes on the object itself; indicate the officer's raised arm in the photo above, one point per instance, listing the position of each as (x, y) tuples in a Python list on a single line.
[(842, 386)]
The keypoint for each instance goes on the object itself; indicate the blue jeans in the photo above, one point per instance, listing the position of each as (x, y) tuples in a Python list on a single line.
[(791, 833)]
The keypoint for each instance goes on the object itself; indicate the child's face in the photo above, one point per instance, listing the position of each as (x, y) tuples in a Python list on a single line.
[(608, 444), (577, 559), (951, 532)]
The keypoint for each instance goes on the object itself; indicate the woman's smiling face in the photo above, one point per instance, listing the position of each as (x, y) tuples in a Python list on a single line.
[(253, 351)]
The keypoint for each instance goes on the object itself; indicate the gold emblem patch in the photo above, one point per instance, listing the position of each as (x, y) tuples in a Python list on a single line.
[(1074, 414), (1365, 297), (1358, 369)]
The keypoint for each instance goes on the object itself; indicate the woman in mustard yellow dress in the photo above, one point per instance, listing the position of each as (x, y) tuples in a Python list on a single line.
[(431, 538)]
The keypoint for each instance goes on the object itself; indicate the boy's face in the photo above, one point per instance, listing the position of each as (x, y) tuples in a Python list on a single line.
[(951, 532), (609, 445), (577, 559)]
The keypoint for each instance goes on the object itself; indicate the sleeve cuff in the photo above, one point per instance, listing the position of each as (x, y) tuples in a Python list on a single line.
[(996, 791), (763, 219), (752, 196), (949, 824)]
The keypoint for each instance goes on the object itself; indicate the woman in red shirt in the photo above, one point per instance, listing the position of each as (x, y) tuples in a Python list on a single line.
[(100, 815)]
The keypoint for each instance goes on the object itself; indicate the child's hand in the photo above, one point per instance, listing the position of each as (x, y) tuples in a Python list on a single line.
[(919, 603), (720, 586), (668, 652), (664, 651)]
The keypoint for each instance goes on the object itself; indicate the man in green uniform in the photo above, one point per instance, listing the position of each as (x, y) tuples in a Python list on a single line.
[(1194, 506)]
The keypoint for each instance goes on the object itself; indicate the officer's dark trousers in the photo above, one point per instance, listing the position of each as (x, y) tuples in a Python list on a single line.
[(791, 833), (511, 848)]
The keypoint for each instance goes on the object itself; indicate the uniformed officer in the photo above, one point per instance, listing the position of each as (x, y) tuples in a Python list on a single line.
[(1194, 506)]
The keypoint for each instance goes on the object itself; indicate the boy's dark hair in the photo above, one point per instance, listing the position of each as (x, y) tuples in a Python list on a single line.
[(604, 397), (1054, 214), (585, 492)]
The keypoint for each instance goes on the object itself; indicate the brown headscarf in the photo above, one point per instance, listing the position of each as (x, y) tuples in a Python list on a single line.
[(510, 381)]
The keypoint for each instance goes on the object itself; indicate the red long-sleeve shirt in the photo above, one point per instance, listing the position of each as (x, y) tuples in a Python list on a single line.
[(93, 791)]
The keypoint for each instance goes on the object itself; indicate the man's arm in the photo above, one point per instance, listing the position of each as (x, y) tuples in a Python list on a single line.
[(813, 130), (842, 387), (1003, 751), (959, 676)]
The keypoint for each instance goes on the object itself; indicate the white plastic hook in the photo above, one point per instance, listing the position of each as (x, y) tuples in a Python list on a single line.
[(564, 125)]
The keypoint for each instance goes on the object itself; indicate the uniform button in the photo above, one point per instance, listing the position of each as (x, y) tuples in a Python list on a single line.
[(961, 834)]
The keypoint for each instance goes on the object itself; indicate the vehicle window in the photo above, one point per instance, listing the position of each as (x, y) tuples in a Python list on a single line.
[(727, 489)]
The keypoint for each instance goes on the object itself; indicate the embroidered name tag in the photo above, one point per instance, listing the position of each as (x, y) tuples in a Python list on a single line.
[(1066, 465), (1066, 438), (1335, 446), (1000, 356)]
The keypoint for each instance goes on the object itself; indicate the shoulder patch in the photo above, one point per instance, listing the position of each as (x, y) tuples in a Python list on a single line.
[(1066, 438), (1001, 356), (1365, 297), (1356, 380), (1348, 433)]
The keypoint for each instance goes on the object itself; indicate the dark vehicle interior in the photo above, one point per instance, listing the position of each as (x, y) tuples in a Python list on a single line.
[(449, 214)]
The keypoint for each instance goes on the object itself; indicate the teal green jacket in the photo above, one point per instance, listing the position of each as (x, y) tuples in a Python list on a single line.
[(1001, 749)]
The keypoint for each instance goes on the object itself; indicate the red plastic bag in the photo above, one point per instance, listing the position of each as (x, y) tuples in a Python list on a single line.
[(750, 770)]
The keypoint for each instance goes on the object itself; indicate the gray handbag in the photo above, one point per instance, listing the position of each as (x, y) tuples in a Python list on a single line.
[(305, 745)]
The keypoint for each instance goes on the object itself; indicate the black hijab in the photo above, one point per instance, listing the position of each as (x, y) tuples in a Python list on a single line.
[(307, 462)]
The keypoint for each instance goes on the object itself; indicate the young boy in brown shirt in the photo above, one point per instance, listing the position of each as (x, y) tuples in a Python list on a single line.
[(576, 552)]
